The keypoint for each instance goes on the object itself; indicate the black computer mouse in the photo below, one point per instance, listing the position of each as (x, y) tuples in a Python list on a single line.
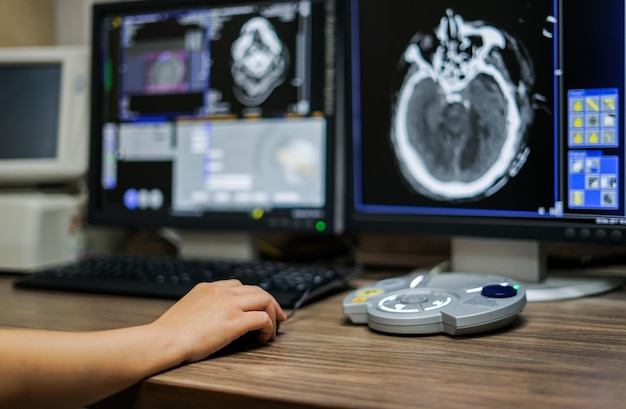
[(249, 340)]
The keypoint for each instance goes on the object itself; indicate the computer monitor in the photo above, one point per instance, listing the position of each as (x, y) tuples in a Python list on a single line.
[(498, 124), (214, 115), (43, 115)]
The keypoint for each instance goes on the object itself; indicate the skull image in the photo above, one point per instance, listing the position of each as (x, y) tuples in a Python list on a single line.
[(259, 61), (461, 117)]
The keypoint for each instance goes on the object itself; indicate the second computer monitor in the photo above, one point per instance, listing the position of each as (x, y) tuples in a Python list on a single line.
[(44, 116), (214, 114)]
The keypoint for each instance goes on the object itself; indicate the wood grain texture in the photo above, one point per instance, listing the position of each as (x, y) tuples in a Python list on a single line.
[(567, 354)]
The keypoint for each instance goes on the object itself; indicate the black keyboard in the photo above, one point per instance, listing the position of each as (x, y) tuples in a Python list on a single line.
[(290, 284)]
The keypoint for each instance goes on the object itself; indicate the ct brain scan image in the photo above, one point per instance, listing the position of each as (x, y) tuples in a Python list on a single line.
[(463, 110), (259, 61)]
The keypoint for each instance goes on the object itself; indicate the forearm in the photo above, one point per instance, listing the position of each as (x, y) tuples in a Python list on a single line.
[(74, 369), (70, 370)]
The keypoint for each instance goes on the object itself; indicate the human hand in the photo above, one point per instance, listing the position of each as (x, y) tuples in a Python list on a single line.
[(73, 369), (214, 314)]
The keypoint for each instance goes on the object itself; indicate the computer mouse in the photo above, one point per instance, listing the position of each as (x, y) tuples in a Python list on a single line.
[(246, 342)]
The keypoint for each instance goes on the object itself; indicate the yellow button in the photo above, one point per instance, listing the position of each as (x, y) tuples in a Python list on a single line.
[(578, 106), (578, 138), (369, 292), (578, 122)]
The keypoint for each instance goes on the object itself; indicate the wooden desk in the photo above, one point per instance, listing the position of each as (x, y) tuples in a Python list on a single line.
[(568, 354)]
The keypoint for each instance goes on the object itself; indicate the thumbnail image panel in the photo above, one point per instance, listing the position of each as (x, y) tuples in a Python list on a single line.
[(259, 60), (164, 64), (269, 163)]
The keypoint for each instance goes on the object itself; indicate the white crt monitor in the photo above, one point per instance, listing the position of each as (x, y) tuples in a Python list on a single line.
[(43, 115)]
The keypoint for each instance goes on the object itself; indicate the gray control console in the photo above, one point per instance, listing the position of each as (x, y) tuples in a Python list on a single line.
[(454, 303)]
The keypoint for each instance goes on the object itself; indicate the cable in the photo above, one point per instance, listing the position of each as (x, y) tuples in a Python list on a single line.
[(307, 292)]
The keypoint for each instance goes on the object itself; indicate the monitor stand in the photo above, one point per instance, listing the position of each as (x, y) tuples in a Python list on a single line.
[(525, 261), (201, 244)]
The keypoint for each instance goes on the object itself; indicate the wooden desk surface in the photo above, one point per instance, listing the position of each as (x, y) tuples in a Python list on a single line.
[(567, 354)]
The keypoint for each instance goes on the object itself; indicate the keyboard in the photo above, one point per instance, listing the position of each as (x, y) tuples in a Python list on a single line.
[(171, 278)]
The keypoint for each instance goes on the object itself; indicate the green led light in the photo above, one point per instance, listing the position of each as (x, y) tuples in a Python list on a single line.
[(517, 287), (320, 226)]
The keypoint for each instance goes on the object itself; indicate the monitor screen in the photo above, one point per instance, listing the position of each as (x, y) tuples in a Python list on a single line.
[(43, 115), (214, 114), (488, 119), (28, 89)]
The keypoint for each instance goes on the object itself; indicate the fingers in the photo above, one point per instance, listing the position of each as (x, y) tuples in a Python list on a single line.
[(262, 311), (213, 314), (260, 322), (255, 298)]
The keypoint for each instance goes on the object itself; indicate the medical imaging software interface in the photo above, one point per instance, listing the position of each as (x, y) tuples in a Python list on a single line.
[(483, 108), (215, 109)]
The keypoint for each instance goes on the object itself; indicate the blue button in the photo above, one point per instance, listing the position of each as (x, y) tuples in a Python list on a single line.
[(498, 291), (131, 199)]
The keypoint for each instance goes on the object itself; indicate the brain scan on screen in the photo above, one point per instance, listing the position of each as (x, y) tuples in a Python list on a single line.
[(259, 61), (463, 110)]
